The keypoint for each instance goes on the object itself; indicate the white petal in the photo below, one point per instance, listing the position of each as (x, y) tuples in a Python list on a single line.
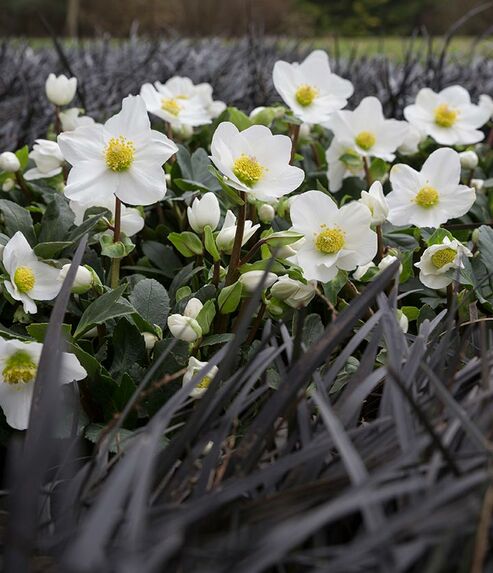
[(15, 401)]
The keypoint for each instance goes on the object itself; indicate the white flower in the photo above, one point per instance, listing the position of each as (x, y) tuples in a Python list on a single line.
[(335, 238), (30, 279), (255, 161), (411, 142), (123, 157), (48, 159), (150, 340), (60, 90), (18, 368), (193, 307), (83, 279), (184, 327), (203, 212), (486, 102), (402, 320), (468, 159), (252, 279), (375, 200), (448, 116), (367, 131), (294, 293), (310, 89), (180, 103), (477, 184), (195, 366), (432, 196), (226, 236), (287, 251), (71, 119), (131, 219), (9, 162), (266, 213), (361, 271), (439, 263), (387, 261), (338, 170)]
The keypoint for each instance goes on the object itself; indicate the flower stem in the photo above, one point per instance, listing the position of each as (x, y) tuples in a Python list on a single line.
[(366, 166), (236, 252), (115, 263), (294, 133), (58, 121), (381, 244), (23, 185)]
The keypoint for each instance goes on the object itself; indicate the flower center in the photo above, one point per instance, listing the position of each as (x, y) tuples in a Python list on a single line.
[(427, 197), (171, 105), (24, 279), (305, 95), (445, 116), (248, 170), (366, 140), (330, 241), (119, 153), (19, 368), (204, 383), (443, 257)]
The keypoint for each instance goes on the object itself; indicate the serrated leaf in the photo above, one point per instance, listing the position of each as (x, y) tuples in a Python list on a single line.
[(17, 218), (150, 299)]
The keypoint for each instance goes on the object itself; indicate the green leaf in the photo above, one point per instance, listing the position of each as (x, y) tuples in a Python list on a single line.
[(333, 287), (38, 331), (151, 301), (195, 170), (89, 223), (232, 194), (312, 329), (210, 243), (162, 256), (283, 238), (22, 155), (206, 316), (180, 245), (104, 308), (17, 218), (50, 250), (4, 331), (238, 118), (438, 236), (183, 292), (117, 250), (57, 220), (217, 339), (128, 348), (412, 312), (229, 298), (121, 439)]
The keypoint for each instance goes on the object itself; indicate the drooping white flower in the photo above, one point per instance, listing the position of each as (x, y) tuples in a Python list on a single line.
[(375, 200), (439, 263), (294, 293), (255, 161), (486, 102), (83, 281), (150, 340), (9, 162), (448, 116), (131, 219), (184, 327), (195, 366), (60, 90), (30, 279), (48, 158), (72, 119), (468, 159), (252, 279), (361, 271), (387, 261), (193, 307), (181, 103), (402, 320), (123, 157), (226, 236), (367, 131), (204, 211), (18, 368), (432, 196), (351, 164), (335, 238), (310, 89)]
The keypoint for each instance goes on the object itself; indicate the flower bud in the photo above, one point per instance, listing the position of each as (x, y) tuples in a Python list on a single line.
[(60, 90), (376, 202), (468, 159), (8, 185), (387, 261), (48, 159), (305, 129), (194, 306), (226, 236), (477, 184), (294, 293), (83, 281), (203, 212), (361, 271), (402, 320), (9, 162), (252, 279), (71, 119), (184, 328), (195, 366), (266, 213), (275, 308), (150, 340)]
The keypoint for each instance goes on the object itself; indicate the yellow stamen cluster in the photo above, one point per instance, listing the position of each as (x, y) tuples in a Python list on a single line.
[(443, 257), (366, 140), (305, 95), (19, 368), (445, 116), (119, 153), (171, 105), (427, 197), (24, 279), (330, 241), (204, 383), (248, 170)]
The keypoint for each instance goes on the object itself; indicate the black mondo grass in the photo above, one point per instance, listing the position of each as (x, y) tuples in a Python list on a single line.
[(383, 467)]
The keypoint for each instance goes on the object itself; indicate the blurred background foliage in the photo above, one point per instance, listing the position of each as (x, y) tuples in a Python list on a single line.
[(198, 18)]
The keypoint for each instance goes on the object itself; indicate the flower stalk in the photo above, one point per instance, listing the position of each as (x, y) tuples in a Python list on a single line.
[(236, 252), (115, 262)]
